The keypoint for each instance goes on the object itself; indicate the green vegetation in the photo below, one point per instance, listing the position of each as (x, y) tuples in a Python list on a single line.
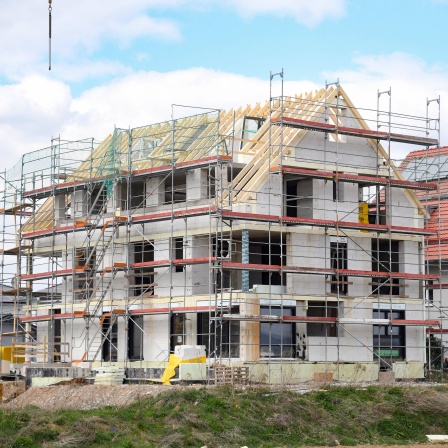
[(227, 417)]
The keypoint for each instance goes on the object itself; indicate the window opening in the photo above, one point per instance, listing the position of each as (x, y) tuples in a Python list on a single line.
[(143, 278), (380, 262), (138, 194), (177, 330), (298, 198), (109, 340), (135, 338), (322, 309), (430, 290), (250, 127), (55, 337), (178, 248), (277, 340), (176, 190), (389, 341), (375, 197), (338, 257), (220, 338)]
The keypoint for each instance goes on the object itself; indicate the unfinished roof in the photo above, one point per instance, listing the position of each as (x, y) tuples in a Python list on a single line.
[(206, 137)]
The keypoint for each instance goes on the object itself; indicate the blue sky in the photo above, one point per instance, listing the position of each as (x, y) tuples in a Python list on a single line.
[(125, 63)]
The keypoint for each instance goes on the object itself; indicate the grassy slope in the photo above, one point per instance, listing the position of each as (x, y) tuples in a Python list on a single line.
[(225, 417)]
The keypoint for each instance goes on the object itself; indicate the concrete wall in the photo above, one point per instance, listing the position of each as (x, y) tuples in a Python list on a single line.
[(357, 152), (269, 197), (346, 209), (310, 251)]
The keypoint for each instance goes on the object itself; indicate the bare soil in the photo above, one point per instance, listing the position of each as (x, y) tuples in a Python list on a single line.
[(80, 396)]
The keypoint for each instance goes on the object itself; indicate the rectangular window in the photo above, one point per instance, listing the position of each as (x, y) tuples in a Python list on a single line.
[(389, 342), (250, 127), (222, 249), (54, 336), (298, 198), (322, 309), (430, 290), (338, 257), (135, 338), (137, 194), (176, 189), (220, 337), (109, 336), (385, 258), (143, 284), (177, 336), (277, 340), (178, 249)]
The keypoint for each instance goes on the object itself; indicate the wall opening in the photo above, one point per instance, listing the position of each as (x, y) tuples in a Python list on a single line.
[(109, 335), (277, 340), (338, 261), (389, 341), (385, 258), (135, 338), (322, 309), (143, 278), (220, 337)]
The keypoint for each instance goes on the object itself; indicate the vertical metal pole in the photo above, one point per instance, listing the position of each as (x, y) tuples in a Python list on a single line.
[(245, 260)]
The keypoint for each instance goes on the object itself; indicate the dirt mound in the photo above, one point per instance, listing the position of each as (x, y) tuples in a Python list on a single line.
[(79, 396)]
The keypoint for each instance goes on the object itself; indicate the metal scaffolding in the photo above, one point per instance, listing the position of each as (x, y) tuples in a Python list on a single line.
[(269, 234)]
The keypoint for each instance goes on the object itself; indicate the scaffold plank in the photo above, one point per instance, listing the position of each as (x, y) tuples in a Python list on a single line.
[(17, 210), (114, 221), (184, 213), (173, 309), (52, 274), (47, 317), (331, 320), (16, 250), (437, 286), (324, 271), (15, 292), (227, 214), (79, 225), (151, 264), (116, 267), (190, 164), (191, 261), (356, 178), (43, 192), (437, 330), (411, 322), (67, 187), (354, 132)]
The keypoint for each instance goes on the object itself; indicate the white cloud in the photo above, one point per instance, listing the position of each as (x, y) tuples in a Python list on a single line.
[(79, 27), (303, 11), (146, 97), (82, 27), (31, 113), (411, 80), (37, 108)]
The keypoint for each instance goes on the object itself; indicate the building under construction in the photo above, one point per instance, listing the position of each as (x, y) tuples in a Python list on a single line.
[(279, 237)]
